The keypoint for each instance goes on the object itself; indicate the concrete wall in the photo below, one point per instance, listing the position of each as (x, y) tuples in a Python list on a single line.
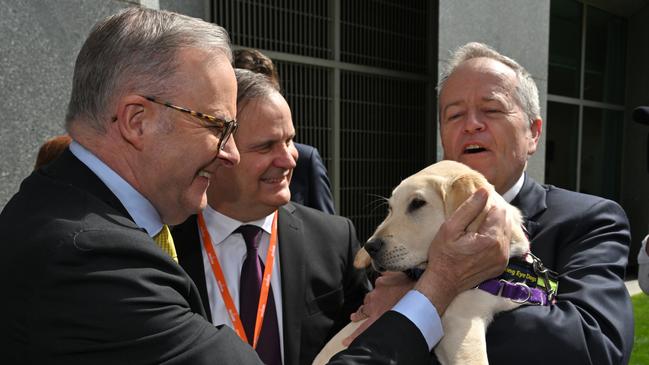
[(505, 25), (39, 41), (635, 176)]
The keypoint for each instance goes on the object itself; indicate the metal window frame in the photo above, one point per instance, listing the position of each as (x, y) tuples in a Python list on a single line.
[(580, 102), (337, 66)]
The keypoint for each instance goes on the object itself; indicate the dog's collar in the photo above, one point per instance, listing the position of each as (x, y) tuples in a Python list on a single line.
[(414, 274), (525, 281)]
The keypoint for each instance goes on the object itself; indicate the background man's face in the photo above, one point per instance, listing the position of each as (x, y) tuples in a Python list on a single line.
[(180, 159), (481, 123), (260, 183)]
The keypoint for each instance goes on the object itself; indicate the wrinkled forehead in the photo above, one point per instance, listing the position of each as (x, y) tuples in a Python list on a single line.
[(489, 74)]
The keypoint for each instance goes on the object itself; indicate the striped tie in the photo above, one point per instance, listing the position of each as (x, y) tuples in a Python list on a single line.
[(164, 240)]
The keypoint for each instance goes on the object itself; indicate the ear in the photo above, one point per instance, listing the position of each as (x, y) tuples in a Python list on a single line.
[(459, 190), (536, 127), (362, 259), (134, 114)]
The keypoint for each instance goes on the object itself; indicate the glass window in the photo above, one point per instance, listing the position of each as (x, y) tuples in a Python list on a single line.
[(585, 104), (601, 152), (565, 48), (562, 129), (605, 57)]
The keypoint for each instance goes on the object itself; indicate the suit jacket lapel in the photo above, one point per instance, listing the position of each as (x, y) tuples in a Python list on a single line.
[(291, 254), (531, 202), (190, 257)]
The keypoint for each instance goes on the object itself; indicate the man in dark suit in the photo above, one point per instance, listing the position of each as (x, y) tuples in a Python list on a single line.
[(314, 286), (89, 275), (490, 120), (87, 283), (310, 183)]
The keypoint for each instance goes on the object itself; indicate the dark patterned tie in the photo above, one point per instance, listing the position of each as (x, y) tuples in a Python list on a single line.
[(249, 289)]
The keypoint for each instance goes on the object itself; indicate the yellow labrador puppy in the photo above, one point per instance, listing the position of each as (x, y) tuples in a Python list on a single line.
[(418, 207)]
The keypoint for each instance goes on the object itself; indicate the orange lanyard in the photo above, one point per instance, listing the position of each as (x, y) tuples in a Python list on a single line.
[(223, 287)]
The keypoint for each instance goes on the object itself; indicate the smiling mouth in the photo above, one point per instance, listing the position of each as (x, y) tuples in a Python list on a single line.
[(273, 180), (204, 174), (474, 148)]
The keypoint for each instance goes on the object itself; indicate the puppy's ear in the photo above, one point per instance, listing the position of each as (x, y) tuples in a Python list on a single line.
[(362, 259), (459, 190)]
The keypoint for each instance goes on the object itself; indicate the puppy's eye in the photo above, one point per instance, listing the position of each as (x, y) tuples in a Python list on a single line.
[(416, 204)]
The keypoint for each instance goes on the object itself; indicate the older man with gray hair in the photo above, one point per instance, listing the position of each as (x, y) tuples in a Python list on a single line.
[(489, 119)]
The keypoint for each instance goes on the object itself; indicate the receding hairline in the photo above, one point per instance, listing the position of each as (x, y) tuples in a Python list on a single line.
[(486, 65), (211, 57), (526, 90), (135, 51)]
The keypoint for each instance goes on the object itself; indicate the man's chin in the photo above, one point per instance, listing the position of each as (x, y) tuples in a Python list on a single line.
[(278, 200), (478, 163), (193, 204)]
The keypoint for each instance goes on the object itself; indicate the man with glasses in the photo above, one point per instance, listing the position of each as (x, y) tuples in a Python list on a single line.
[(86, 282), (90, 273)]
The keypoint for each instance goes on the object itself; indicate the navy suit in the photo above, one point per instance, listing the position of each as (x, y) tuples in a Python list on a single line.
[(82, 284), (310, 184), (586, 240)]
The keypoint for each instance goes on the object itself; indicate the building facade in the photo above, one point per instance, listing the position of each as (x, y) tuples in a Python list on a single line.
[(360, 78)]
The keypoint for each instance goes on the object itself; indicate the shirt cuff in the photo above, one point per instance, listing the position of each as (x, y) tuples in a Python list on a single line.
[(420, 311)]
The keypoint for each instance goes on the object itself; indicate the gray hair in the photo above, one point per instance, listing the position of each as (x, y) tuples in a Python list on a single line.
[(526, 93), (252, 85), (135, 50)]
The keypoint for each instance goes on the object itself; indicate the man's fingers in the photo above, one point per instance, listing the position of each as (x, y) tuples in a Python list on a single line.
[(495, 222), (359, 315), (495, 229), (468, 211), (362, 327)]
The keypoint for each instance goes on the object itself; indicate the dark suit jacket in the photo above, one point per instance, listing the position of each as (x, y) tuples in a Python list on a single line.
[(310, 183), (586, 240), (82, 284), (320, 287)]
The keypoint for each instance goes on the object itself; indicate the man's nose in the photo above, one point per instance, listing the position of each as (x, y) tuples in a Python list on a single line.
[(473, 122), (287, 158), (229, 154)]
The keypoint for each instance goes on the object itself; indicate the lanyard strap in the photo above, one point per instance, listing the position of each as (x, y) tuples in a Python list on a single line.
[(223, 287)]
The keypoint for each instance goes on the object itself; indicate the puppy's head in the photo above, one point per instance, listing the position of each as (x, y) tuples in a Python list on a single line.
[(418, 207)]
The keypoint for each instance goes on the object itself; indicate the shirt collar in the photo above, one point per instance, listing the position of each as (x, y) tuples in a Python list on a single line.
[(222, 226), (137, 206), (514, 190)]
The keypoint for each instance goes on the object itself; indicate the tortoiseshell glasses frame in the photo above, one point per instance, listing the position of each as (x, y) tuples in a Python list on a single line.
[(226, 128)]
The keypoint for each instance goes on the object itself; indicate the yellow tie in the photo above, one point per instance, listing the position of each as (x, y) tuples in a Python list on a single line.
[(164, 240)]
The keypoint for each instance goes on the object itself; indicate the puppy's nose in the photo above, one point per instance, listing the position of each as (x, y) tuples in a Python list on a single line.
[(373, 246)]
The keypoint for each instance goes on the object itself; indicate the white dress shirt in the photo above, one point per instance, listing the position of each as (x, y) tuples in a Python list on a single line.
[(231, 251), (514, 190), (137, 206)]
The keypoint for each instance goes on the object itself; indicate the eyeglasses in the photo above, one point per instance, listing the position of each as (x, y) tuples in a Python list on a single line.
[(227, 128)]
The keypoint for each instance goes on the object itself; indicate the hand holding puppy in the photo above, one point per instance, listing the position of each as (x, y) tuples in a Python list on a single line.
[(459, 260)]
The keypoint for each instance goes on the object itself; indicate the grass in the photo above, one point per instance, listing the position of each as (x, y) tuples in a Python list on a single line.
[(640, 354)]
